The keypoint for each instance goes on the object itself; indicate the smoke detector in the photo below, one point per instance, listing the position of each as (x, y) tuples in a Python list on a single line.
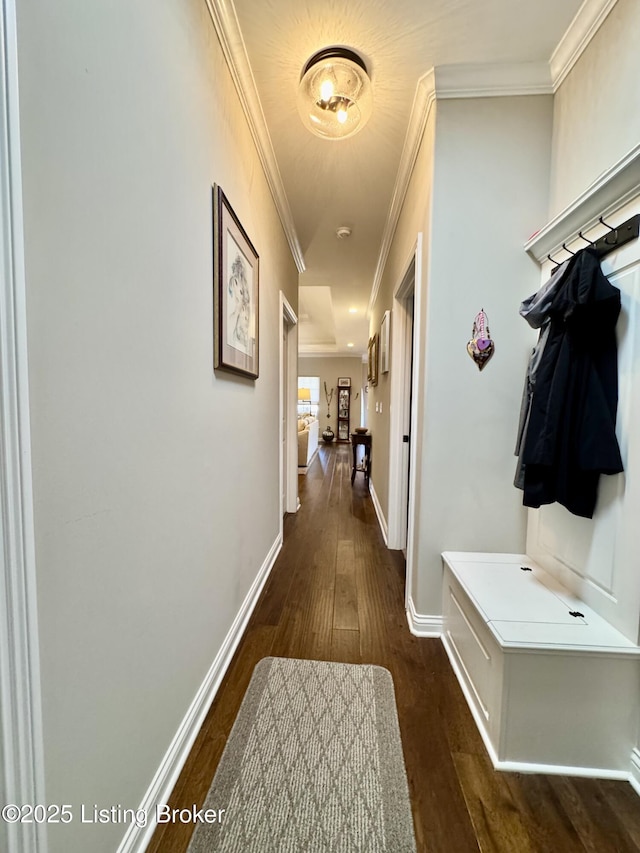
[(343, 232)]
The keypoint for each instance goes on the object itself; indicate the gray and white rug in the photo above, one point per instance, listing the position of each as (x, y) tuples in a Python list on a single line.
[(313, 763)]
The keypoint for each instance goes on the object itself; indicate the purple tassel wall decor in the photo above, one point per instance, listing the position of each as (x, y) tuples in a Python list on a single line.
[(481, 347)]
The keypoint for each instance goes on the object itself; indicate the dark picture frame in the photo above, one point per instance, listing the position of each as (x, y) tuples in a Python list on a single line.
[(344, 381), (236, 278)]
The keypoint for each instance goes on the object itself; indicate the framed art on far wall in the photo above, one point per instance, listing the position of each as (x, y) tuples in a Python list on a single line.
[(344, 381), (384, 342), (372, 372), (236, 268)]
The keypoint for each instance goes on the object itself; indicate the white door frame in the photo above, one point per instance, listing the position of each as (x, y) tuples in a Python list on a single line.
[(22, 752), (402, 517), (288, 400)]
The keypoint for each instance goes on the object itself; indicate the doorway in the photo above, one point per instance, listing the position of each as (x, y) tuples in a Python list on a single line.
[(288, 401), (404, 437)]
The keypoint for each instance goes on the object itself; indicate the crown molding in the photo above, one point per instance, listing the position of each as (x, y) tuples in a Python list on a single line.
[(588, 20), (227, 28), (613, 189), (492, 80), (423, 101)]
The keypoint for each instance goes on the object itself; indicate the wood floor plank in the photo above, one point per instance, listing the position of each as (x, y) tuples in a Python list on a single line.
[(498, 824), (345, 613), (345, 646), (546, 819), (593, 815), (336, 593)]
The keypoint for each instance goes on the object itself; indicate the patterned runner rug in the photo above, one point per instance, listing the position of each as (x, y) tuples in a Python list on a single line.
[(313, 763)]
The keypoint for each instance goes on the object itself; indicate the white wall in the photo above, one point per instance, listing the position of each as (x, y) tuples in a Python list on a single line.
[(597, 107), (596, 122), (489, 194), (149, 470)]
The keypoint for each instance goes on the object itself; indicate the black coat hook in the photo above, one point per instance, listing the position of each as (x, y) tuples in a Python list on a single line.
[(582, 237), (613, 231), (567, 250), (553, 260)]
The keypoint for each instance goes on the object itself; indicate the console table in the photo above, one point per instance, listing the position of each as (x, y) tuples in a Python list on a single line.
[(363, 439)]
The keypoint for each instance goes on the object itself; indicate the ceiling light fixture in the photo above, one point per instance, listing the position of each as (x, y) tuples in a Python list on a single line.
[(343, 232), (334, 95)]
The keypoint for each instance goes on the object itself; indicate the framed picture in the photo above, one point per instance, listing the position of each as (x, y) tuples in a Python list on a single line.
[(372, 374), (384, 342), (344, 381), (235, 292)]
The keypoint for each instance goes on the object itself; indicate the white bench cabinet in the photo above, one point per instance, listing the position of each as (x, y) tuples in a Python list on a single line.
[(552, 686)]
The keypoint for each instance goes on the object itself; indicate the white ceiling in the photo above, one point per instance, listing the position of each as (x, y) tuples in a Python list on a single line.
[(351, 182)]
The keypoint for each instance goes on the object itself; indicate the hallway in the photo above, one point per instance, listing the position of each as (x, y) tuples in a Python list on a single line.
[(336, 593)]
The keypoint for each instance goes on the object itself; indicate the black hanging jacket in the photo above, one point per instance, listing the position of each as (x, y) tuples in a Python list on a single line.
[(570, 438)]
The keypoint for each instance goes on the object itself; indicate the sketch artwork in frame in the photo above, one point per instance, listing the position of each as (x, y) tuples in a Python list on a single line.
[(235, 292), (344, 381), (384, 342)]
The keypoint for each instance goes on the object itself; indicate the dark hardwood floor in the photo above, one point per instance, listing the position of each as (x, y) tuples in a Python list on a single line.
[(336, 593)]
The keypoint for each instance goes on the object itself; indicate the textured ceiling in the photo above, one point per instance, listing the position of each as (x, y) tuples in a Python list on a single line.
[(351, 182)]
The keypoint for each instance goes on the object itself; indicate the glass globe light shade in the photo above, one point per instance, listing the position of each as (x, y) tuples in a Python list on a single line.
[(334, 96)]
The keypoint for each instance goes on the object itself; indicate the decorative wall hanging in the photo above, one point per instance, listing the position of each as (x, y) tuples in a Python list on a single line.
[(235, 292), (329, 395), (481, 347), (384, 342)]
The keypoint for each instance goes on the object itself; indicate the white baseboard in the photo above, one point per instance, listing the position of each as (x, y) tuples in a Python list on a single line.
[(382, 521), (634, 775), (422, 626), (137, 838)]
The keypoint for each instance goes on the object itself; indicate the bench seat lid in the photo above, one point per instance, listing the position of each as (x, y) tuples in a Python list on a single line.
[(526, 606)]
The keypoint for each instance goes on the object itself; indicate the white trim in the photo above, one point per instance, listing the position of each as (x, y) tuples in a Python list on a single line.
[(137, 838), (634, 775), (286, 414), (227, 27), (561, 770), (382, 521), (398, 517), (420, 625), (320, 351), (608, 193), (588, 20), (423, 101), (492, 80), (419, 367), (20, 700)]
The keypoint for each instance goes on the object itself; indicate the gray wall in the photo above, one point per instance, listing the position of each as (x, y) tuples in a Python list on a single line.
[(479, 189), (489, 195), (329, 369), (597, 107), (148, 468)]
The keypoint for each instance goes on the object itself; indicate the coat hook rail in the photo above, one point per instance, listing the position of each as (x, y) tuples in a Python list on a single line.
[(613, 239), (616, 237)]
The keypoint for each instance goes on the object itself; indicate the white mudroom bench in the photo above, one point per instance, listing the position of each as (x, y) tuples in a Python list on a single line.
[(553, 687)]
